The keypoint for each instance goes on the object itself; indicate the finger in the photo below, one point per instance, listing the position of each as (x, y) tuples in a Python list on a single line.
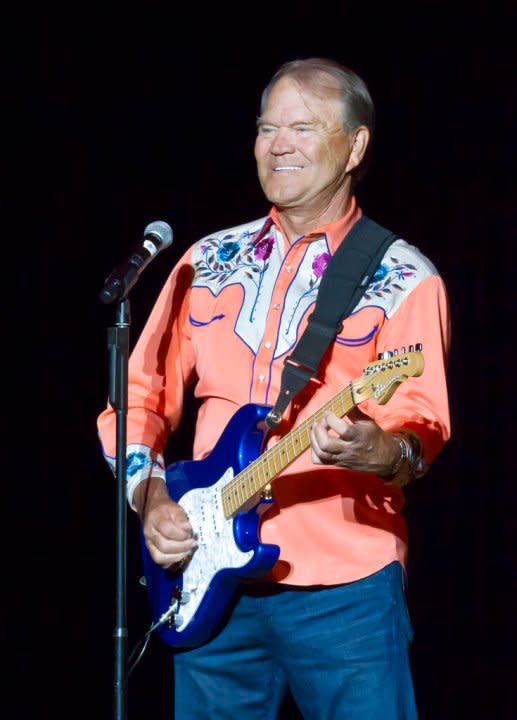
[(172, 549), (169, 530), (315, 448), (320, 438), (322, 446), (340, 426), (181, 519), (171, 521), (330, 443), (321, 458), (168, 560)]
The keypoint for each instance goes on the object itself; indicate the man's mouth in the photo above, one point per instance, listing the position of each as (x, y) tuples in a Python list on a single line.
[(287, 168)]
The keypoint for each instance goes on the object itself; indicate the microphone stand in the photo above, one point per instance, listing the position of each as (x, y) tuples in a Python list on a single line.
[(118, 345), (157, 235)]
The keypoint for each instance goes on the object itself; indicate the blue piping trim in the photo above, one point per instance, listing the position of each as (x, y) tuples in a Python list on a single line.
[(199, 323)]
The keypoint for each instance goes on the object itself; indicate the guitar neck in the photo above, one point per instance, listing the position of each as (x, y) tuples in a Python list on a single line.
[(253, 479), (379, 381)]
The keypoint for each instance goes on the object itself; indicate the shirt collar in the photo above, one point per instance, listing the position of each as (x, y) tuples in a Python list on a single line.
[(334, 231)]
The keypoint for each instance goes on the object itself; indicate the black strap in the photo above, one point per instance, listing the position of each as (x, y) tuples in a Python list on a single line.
[(344, 282)]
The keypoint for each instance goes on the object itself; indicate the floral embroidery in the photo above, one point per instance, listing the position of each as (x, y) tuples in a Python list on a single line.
[(319, 265), (138, 460), (227, 250), (387, 278), (222, 259), (264, 247), (380, 273), (135, 462)]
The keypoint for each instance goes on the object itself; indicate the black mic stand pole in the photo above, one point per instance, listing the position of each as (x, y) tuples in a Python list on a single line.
[(118, 345), (157, 235)]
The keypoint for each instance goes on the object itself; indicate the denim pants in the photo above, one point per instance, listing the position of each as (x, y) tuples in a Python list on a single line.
[(341, 650)]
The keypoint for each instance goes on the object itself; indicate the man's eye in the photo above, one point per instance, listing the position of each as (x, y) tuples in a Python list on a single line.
[(265, 130)]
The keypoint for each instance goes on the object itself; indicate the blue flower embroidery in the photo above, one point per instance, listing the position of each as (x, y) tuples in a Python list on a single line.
[(135, 462), (380, 273), (383, 282), (227, 250)]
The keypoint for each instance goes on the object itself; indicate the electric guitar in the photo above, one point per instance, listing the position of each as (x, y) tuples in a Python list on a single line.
[(223, 496)]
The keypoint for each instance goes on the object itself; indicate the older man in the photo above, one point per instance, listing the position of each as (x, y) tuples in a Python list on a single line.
[(329, 620)]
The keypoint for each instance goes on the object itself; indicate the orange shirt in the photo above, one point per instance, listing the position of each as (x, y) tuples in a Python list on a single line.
[(231, 310)]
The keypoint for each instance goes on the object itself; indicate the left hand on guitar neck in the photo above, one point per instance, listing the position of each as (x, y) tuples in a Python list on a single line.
[(357, 443)]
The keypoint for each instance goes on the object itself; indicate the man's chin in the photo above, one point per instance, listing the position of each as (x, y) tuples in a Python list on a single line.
[(284, 198)]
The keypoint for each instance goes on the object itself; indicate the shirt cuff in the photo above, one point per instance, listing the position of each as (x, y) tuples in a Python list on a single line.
[(141, 463)]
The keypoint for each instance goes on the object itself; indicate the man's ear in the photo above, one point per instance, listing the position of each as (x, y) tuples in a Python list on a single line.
[(360, 140)]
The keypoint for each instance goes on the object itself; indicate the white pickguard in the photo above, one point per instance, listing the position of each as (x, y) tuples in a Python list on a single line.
[(216, 549)]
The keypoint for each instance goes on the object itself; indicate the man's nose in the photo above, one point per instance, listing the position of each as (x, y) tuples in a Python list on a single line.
[(283, 142)]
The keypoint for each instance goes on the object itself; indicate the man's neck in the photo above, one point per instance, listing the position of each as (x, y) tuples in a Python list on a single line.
[(297, 222)]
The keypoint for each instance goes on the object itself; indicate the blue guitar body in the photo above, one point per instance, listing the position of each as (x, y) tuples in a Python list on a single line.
[(190, 605)]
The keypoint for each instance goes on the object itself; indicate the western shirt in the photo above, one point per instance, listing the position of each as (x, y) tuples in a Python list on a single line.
[(230, 312)]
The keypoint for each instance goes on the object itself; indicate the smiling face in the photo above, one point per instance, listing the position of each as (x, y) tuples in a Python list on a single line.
[(304, 154)]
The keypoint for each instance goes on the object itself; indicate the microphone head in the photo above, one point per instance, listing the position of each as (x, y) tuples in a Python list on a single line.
[(160, 230)]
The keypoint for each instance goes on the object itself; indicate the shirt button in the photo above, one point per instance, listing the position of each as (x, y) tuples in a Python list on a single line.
[(288, 268), (261, 378), (267, 344), (276, 306)]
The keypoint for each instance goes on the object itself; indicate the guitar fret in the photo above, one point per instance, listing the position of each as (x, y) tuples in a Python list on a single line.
[(276, 457), (275, 451), (307, 431), (266, 469), (240, 494), (235, 493), (260, 469), (249, 476)]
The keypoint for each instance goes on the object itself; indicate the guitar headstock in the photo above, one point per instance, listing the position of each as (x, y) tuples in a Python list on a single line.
[(381, 378)]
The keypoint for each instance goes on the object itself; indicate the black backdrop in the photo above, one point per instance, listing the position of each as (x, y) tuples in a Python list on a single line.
[(130, 116)]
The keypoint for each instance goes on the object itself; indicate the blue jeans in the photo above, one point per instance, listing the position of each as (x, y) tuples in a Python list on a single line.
[(342, 651)]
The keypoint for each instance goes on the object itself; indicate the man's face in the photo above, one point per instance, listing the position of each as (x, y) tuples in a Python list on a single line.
[(302, 150)]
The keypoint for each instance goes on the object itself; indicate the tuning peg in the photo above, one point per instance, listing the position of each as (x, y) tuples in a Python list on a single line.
[(419, 347), (395, 351), (403, 349), (411, 348)]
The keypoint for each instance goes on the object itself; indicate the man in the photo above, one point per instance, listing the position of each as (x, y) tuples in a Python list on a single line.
[(330, 620)]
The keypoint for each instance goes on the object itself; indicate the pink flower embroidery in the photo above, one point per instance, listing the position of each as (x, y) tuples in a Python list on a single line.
[(319, 263), (263, 248)]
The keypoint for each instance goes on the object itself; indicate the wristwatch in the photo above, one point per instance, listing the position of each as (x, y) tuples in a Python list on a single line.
[(411, 463)]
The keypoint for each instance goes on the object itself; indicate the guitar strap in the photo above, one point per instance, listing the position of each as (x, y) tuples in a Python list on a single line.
[(343, 283)]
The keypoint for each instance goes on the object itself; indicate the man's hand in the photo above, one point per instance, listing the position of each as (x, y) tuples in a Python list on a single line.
[(167, 531), (360, 445)]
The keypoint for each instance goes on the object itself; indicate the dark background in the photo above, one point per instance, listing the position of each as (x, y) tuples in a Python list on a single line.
[(128, 116)]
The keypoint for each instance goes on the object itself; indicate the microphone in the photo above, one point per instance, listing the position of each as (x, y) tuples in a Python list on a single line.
[(157, 236)]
